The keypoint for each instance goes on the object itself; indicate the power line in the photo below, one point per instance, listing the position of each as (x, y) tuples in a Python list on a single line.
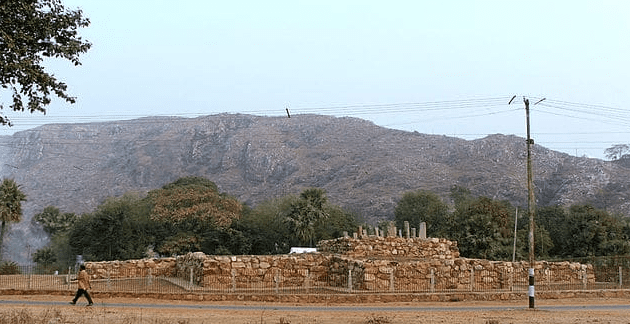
[(431, 111)]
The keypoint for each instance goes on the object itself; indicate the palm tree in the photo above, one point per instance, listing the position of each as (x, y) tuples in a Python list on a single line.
[(11, 198), (307, 211)]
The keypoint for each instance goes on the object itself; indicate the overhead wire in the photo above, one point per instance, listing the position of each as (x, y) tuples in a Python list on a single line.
[(447, 110)]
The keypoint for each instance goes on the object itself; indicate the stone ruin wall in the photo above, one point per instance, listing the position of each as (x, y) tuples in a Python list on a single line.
[(390, 247), (255, 271), (468, 274), (366, 263), (164, 267)]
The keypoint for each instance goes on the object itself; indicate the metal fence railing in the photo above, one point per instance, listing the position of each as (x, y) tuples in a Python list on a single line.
[(609, 274)]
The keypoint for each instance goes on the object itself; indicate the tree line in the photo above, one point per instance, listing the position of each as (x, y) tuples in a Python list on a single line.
[(484, 228), (191, 214)]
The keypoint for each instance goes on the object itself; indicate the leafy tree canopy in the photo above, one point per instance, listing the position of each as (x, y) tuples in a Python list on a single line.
[(31, 30), (422, 206), (554, 220), (53, 221), (617, 151), (267, 227), (593, 232), (306, 211), (119, 229), (193, 199), (484, 229), (276, 225), (11, 198), (460, 195), (45, 259)]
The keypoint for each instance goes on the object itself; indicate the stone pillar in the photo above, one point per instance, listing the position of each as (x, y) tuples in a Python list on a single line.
[(360, 231), (407, 233), (391, 230), (413, 232), (345, 234), (376, 232), (423, 230)]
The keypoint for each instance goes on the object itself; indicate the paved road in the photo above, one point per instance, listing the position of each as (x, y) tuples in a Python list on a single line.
[(319, 308)]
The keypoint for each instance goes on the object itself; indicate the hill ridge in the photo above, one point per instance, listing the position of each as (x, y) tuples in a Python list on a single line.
[(363, 167)]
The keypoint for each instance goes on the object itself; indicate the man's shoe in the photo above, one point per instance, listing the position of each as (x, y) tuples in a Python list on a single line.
[(90, 304), (73, 303)]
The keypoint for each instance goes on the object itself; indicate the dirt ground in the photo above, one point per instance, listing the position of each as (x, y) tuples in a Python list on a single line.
[(133, 310)]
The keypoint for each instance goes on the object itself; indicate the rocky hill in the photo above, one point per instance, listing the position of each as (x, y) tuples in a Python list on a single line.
[(363, 167)]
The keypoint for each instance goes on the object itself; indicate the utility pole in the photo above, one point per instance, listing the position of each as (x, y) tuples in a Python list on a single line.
[(531, 202), (531, 206)]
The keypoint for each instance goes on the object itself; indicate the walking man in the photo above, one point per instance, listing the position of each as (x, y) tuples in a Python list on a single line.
[(84, 285)]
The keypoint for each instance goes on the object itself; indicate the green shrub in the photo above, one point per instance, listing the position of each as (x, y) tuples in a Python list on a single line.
[(9, 268)]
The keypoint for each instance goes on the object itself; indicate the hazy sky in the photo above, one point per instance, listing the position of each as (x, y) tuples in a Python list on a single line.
[(437, 67)]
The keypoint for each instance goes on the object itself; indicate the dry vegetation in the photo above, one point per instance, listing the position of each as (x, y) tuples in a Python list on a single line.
[(180, 312)]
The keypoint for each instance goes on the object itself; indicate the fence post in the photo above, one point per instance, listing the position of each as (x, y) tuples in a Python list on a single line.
[(307, 280), (150, 281), (548, 273), (68, 278), (190, 283), (233, 273), (109, 279), (472, 279), (276, 280), (620, 277), (349, 280), (392, 284), (584, 279), (432, 281)]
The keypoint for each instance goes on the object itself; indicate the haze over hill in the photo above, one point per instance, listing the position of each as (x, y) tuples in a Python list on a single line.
[(363, 167)]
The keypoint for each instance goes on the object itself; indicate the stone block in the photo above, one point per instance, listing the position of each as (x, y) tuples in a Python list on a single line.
[(238, 264)]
